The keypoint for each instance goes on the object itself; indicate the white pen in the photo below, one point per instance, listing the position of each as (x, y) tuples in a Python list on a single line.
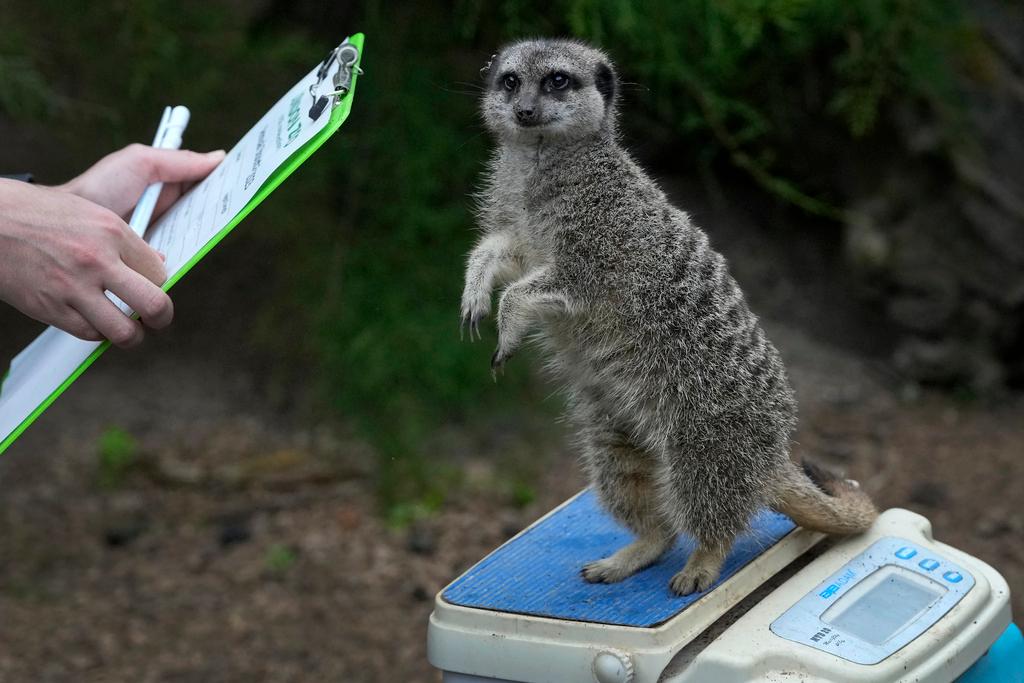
[(168, 136)]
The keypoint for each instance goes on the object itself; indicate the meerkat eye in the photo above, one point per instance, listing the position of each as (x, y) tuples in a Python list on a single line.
[(510, 82), (559, 81)]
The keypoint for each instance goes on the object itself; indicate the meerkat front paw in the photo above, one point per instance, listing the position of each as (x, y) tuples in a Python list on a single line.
[(498, 359), (641, 553), (605, 571), (693, 580), (476, 305)]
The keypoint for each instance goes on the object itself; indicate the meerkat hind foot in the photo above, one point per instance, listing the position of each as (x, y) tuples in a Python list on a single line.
[(700, 572), (693, 580), (626, 561)]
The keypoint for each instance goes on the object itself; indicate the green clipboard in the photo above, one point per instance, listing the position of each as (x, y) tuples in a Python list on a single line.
[(338, 114)]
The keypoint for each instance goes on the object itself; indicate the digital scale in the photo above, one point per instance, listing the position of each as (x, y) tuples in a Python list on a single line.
[(891, 604)]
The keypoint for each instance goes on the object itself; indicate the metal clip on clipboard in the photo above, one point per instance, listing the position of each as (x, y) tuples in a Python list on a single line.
[(346, 55)]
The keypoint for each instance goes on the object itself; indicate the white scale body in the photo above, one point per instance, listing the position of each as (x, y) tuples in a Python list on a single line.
[(891, 604)]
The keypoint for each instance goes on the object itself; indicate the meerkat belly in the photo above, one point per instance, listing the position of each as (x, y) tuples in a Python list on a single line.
[(732, 378), (598, 361)]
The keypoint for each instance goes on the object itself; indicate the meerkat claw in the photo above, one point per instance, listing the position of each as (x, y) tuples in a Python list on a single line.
[(498, 361)]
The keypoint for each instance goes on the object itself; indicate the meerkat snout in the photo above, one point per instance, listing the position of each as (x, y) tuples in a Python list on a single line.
[(526, 113)]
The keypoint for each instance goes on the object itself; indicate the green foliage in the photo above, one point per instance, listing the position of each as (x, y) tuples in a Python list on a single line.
[(279, 559), (750, 80), (523, 494), (118, 453), (113, 66), (389, 335), (24, 93), (368, 241), (403, 513)]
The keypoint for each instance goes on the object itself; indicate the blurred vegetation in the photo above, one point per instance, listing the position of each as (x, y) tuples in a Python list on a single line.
[(752, 81), (369, 294), (279, 559), (118, 454)]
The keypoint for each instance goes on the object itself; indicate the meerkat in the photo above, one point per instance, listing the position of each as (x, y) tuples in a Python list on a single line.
[(681, 405)]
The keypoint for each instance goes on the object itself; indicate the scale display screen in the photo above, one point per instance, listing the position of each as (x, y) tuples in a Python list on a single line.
[(877, 603), (883, 604)]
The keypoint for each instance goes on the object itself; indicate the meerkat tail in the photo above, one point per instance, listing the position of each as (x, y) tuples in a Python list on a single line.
[(819, 500)]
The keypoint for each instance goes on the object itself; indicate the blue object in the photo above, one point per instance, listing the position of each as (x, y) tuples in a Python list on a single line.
[(905, 553), (538, 573), (953, 577), (928, 564), (1003, 663)]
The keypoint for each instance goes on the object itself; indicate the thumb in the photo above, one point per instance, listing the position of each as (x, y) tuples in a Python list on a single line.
[(175, 166)]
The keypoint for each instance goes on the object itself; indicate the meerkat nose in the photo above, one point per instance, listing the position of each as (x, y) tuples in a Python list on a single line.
[(526, 115)]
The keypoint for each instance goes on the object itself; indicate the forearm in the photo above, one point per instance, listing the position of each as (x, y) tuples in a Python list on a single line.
[(522, 305)]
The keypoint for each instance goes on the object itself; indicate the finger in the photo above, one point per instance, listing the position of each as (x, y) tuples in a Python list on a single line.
[(170, 194), (109, 321), (176, 166), (142, 258), (72, 322), (148, 300)]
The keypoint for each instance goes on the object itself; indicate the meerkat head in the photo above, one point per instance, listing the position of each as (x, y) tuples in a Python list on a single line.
[(550, 89)]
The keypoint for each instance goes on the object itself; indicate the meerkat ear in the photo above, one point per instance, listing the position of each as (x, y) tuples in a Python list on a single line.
[(485, 71), (606, 82)]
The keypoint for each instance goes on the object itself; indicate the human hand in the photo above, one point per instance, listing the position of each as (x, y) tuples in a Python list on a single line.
[(117, 180), (59, 252)]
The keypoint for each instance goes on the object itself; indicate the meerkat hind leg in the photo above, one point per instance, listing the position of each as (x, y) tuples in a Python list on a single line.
[(623, 476), (701, 570)]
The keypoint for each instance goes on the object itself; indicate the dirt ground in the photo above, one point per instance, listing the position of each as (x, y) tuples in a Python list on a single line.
[(242, 549), (247, 546)]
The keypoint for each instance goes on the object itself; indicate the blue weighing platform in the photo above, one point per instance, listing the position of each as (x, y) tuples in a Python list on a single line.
[(538, 572)]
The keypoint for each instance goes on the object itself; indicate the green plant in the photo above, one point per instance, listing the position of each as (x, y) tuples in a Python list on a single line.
[(392, 274), (118, 453), (523, 493), (750, 80), (279, 559), (404, 512)]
